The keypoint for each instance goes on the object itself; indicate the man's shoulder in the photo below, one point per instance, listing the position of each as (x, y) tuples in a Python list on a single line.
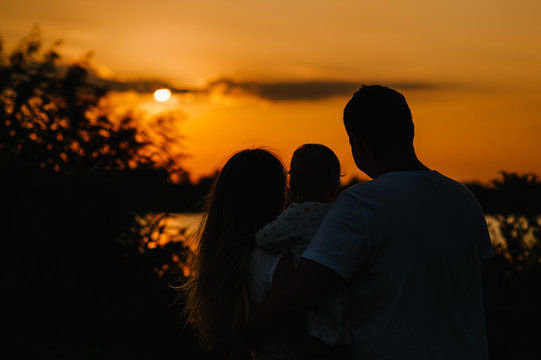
[(455, 186), (408, 184), (446, 179), (431, 178), (360, 187)]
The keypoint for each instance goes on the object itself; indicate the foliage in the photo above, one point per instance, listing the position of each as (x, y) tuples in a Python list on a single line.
[(516, 207), (512, 276), (514, 201), (73, 181), (51, 117), (171, 245)]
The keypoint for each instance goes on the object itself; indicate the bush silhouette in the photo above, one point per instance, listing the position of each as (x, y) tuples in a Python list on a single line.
[(512, 292)]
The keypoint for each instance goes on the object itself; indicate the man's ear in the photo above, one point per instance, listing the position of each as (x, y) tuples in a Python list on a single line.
[(362, 154), (359, 145)]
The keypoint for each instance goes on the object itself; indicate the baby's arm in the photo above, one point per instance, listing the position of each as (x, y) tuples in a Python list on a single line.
[(278, 234)]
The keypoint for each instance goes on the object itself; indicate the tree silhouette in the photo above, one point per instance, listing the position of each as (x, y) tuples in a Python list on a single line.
[(50, 117), (512, 294), (73, 180)]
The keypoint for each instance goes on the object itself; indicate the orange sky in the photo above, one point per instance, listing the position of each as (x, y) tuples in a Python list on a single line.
[(470, 70)]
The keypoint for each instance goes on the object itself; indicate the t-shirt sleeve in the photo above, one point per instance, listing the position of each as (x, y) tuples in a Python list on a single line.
[(340, 242), (486, 247), (485, 243)]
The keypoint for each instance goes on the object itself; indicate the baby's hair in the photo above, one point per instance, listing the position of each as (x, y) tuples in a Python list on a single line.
[(314, 173)]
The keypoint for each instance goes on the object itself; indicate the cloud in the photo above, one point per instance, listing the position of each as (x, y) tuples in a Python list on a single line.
[(144, 86), (301, 90), (138, 85), (277, 91)]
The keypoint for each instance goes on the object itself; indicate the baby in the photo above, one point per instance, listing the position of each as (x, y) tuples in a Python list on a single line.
[(314, 180)]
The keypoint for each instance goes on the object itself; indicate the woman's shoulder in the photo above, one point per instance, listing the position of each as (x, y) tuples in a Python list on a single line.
[(262, 268), (262, 260)]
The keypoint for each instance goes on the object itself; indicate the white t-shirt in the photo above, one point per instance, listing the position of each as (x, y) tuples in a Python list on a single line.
[(410, 244), (262, 268)]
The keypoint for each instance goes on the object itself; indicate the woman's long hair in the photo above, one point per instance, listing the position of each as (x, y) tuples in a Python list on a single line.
[(247, 194)]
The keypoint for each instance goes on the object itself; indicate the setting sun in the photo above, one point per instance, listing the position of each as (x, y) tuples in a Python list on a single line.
[(162, 95)]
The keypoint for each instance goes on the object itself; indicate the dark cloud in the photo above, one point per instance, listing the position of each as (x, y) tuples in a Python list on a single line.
[(310, 90), (140, 86), (302, 90)]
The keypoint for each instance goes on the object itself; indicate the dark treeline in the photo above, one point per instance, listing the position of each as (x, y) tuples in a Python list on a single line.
[(512, 277), (79, 280)]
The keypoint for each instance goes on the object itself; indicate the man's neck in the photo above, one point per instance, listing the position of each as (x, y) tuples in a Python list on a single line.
[(405, 164)]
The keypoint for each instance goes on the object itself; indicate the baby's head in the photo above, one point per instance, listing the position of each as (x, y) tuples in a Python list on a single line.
[(314, 174)]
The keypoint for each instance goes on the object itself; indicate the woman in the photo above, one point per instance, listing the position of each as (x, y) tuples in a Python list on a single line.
[(248, 193)]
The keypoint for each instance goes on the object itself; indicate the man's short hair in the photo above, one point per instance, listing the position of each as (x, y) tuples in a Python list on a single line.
[(381, 117)]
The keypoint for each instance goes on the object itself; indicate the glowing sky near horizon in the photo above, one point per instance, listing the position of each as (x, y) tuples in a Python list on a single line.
[(482, 58)]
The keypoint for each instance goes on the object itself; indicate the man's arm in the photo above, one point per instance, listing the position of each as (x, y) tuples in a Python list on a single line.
[(284, 271), (299, 292)]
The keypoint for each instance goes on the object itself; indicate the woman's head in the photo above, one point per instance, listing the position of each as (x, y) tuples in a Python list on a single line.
[(248, 193), (314, 174)]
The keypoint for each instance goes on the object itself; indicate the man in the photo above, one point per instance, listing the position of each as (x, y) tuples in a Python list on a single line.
[(409, 243)]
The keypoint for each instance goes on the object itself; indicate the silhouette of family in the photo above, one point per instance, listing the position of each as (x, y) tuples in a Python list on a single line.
[(386, 269)]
